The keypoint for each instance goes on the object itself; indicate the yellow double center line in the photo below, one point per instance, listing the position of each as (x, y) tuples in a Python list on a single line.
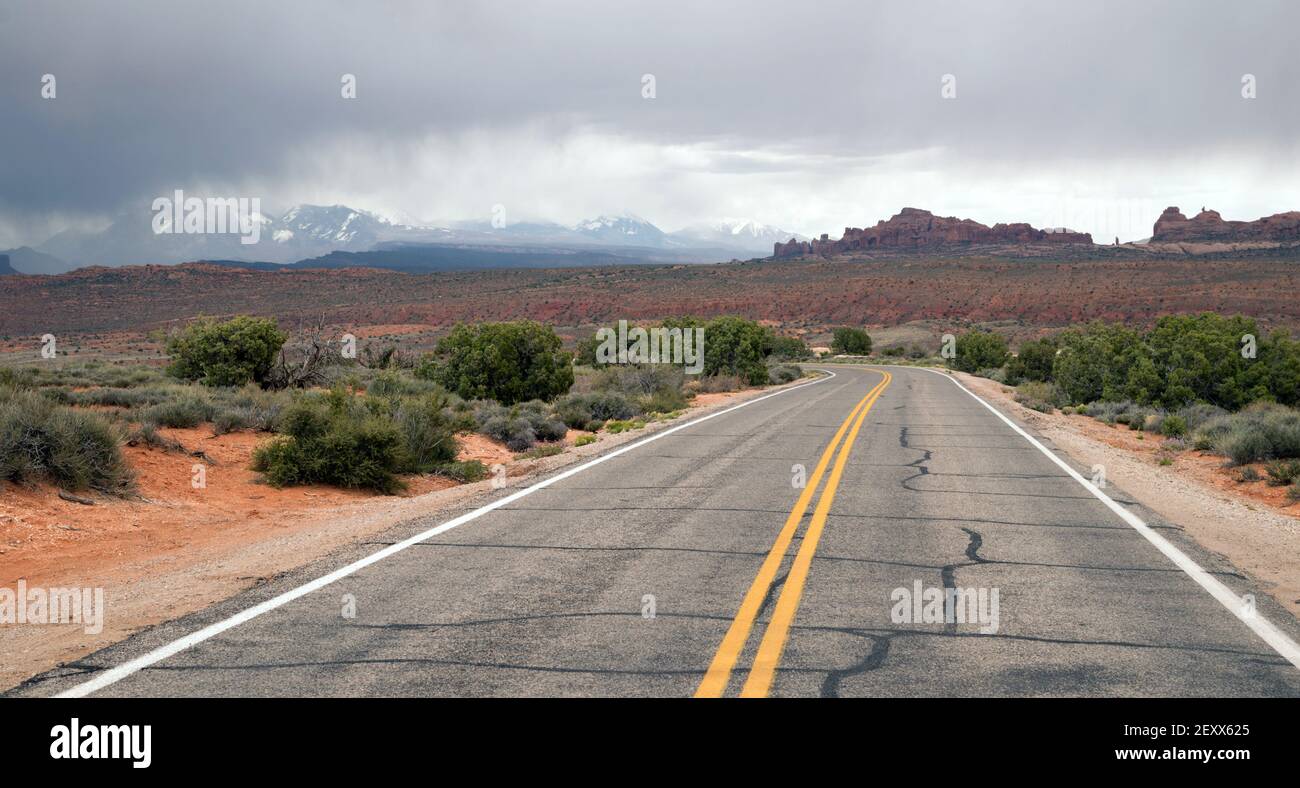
[(778, 629)]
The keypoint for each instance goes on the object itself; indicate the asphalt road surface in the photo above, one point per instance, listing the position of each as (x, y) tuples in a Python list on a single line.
[(694, 564)]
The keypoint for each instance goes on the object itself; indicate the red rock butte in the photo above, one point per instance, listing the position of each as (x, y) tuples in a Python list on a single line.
[(1172, 226), (913, 228)]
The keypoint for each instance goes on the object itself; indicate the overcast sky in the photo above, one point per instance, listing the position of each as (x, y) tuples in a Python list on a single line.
[(810, 116)]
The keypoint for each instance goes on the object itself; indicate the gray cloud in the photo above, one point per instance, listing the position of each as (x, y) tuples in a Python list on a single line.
[(810, 115)]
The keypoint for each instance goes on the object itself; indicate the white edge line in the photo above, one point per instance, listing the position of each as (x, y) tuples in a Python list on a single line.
[(114, 675), (1271, 635)]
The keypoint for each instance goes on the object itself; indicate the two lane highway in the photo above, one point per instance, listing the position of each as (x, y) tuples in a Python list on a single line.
[(696, 564)]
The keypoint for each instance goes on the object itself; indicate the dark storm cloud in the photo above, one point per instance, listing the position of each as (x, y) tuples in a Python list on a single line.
[(156, 95)]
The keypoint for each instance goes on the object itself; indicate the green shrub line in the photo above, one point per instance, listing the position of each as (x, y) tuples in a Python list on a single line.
[(1193, 378), (370, 425)]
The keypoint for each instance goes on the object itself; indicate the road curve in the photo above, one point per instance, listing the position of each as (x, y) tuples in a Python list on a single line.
[(631, 578)]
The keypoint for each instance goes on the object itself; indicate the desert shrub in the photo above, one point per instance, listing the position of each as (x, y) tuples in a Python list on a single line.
[(996, 374), (1198, 358), (393, 383), (427, 431), (584, 353), (1095, 363), (428, 368), (1033, 361), (230, 353), (517, 433), (333, 440), (42, 440), (1135, 417), (254, 408), (487, 410), (1243, 445), (664, 401), (788, 348), (147, 434), (583, 440), (977, 350), (115, 397), (784, 373), (1102, 411), (1139, 417), (587, 351), (717, 384), (544, 426), (1183, 359), (508, 362), (11, 378), (1199, 413), (1039, 395), (579, 410), (230, 419), (1173, 426), (188, 409), (538, 452), (736, 346), (639, 380), (851, 341), (1260, 432), (541, 420), (386, 357), (463, 471), (1282, 472)]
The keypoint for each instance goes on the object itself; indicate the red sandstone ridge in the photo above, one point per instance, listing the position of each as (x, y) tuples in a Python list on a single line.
[(914, 228), (1172, 226)]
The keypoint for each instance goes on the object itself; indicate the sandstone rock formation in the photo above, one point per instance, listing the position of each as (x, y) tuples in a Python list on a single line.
[(913, 228), (1209, 226)]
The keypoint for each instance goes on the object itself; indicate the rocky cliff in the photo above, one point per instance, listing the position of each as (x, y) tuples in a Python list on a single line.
[(1209, 226), (913, 228)]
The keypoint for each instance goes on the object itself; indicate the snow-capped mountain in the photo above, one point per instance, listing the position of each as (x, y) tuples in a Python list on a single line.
[(334, 224), (729, 233), (303, 231), (623, 230), (310, 231)]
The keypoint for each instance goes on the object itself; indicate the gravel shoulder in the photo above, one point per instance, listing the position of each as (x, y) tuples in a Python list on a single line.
[(1247, 525)]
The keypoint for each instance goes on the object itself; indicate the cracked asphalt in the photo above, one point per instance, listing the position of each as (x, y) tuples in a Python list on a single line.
[(622, 579)]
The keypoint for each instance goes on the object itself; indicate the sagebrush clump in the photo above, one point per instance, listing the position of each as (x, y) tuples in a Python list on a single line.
[(43, 441)]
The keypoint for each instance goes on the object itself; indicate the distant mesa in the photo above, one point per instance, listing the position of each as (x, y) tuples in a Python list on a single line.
[(1209, 226), (5, 268), (913, 228)]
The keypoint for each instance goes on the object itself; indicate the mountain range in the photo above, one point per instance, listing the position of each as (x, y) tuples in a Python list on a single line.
[(306, 234)]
